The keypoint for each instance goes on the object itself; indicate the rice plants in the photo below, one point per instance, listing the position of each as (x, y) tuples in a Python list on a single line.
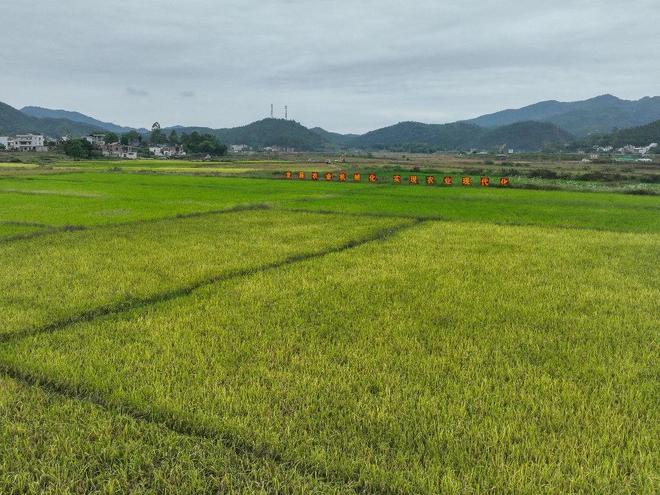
[(450, 357), (67, 276), (180, 334), (51, 445)]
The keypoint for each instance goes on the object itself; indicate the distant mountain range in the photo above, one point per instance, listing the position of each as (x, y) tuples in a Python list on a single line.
[(13, 121), (548, 124), (415, 136), (47, 113), (602, 114)]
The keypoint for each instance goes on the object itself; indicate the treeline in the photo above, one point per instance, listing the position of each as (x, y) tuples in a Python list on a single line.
[(194, 142), (202, 143)]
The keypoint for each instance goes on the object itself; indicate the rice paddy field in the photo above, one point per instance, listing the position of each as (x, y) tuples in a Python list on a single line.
[(183, 333)]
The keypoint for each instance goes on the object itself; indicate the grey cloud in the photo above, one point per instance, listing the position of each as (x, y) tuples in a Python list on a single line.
[(136, 92), (343, 64)]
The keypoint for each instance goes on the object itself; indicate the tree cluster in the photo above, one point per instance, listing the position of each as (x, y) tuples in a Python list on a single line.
[(78, 148), (131, 138), (203, 143)]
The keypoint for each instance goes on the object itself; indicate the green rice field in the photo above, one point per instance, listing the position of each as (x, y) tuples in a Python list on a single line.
[(180, 333)]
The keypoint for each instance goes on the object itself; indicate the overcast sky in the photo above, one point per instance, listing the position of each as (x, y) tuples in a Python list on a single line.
[(346, 65)]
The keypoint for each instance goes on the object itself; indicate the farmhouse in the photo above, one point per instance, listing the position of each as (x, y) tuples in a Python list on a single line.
[(118, 150), (24, 142), (238, 148), (96, 139), (167, 151), (279, 149), (637, 150)]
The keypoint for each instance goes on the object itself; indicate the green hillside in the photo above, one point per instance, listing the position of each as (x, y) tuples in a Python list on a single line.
[(601, 114), (13, 121), (273, 132), (264, 133), (47, 113), (637, 136), (415, 136), (525, 136), (335, 137)]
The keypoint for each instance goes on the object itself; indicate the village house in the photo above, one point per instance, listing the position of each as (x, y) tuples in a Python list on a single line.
[(97, 140), (279, 149), (118, 150), (167, 151), (637, 150), (239, 148), (24, 142)]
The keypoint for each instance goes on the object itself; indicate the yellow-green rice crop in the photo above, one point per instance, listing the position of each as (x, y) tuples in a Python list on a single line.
[(54, 445), (81, 274), (449, 358)]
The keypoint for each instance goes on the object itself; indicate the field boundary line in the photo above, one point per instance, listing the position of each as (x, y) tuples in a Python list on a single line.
[(49, 193), (180, 426), (139, 302), (51, 229), (481, 221), (187, 428), (16, 223), (41, 233), (421, 218), (192, 214)]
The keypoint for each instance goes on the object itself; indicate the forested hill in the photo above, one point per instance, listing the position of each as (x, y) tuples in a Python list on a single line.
[(415, 136), (265, 133), (637, 136), (13, 121), (273, 132), (601, 114), (47, 113), (334, 137), (528, 136)]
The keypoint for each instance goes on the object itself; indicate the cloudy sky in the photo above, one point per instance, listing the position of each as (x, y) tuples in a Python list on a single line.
[(346, 65)]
